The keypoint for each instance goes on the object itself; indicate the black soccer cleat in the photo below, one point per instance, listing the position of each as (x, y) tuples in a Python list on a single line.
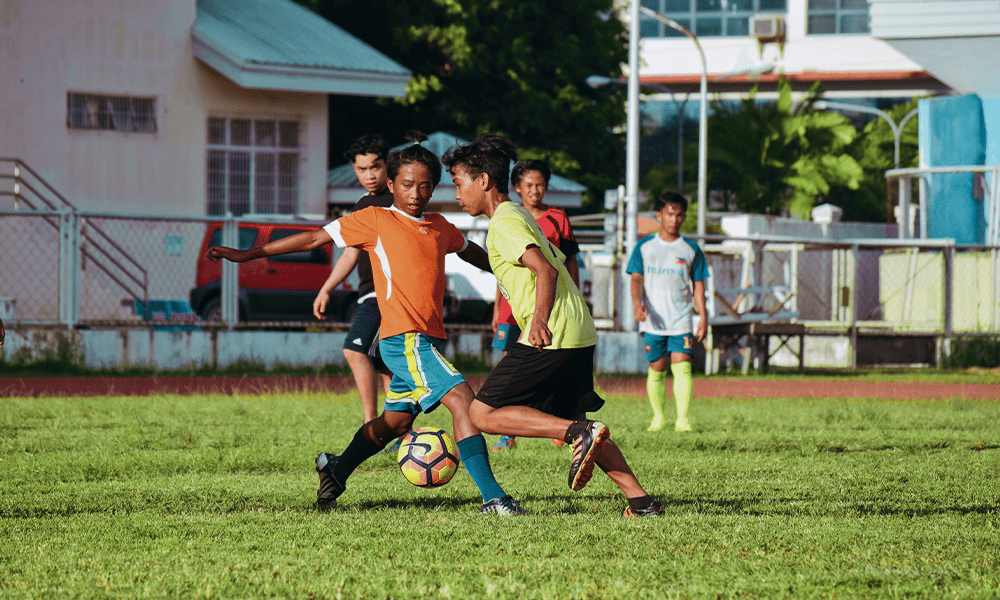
[(585, 447), (653, 510), (503, 506), (329, 488)]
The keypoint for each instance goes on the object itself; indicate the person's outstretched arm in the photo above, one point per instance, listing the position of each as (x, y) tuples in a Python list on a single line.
[(476, 256), (341, 269), (307, 240)]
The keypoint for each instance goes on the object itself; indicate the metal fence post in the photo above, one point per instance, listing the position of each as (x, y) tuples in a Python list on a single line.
[(69, 267), (852, 310), (947, 300), (230, 284)]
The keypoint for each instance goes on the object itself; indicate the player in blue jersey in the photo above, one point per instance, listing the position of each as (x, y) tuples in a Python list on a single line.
[(668, 276)]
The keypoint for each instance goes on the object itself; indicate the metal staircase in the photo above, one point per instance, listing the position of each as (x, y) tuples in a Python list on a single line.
[(28, 191)]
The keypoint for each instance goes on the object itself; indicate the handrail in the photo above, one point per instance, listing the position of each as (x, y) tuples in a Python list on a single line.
[(100, 241)]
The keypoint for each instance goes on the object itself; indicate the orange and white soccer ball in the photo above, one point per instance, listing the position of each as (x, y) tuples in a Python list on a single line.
[(428, 457)]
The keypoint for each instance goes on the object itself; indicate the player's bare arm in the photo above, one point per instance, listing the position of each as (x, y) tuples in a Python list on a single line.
[(638, 308), (341, 269), (574, 270), (307, 240), (699, 304), (496, 310), (546, 277), (2, 333), (476, 256)]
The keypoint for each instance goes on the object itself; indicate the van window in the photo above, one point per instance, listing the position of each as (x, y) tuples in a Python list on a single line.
[(316, 256), (248, 236)]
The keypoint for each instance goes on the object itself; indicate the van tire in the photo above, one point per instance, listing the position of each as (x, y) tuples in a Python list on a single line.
[(212, 313)]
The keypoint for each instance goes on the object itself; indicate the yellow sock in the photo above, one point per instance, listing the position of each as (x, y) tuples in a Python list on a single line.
[(683, 390), (656, 389)]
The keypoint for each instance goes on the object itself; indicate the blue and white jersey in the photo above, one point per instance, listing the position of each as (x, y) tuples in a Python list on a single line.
[(669, 270)]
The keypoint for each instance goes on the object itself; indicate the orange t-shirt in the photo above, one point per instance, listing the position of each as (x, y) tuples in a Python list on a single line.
[(407, 264)]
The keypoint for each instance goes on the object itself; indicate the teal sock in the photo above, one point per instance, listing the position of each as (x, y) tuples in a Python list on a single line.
[(473, 452)]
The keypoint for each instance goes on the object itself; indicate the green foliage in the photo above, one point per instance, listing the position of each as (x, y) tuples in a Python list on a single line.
[(874, 150), (969, 352), (213, 496), (779, 157), (499, 66)]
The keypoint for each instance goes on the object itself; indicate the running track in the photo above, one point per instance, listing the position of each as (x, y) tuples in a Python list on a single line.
[(14, 387)]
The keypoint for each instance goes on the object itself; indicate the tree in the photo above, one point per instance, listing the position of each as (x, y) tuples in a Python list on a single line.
[(500, 66), (874, 149), (780, 157)]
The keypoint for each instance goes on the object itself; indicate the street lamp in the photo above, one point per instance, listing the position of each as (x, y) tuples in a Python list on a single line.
[(702, 114), (897, 132)]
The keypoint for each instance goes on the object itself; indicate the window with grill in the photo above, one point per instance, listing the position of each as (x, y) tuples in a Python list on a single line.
[(707, 18), (253, 166), (127, 114), (837, 16)]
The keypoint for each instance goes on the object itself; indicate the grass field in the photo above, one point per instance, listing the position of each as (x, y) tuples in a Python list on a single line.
[(213, 496)]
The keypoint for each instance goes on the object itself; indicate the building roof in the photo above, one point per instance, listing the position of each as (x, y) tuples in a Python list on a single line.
[(277, 44), (343, 176)]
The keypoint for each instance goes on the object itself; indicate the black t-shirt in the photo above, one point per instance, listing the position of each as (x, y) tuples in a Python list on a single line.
[(366, 285)]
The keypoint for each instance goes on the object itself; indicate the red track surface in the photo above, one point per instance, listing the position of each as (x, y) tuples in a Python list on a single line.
[(703, 388)]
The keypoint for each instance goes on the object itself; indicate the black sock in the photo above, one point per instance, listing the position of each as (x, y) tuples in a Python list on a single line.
[(357, 452), (575, 429), (640, 503)]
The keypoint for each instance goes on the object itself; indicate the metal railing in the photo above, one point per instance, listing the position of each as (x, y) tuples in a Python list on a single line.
[(23, 185)]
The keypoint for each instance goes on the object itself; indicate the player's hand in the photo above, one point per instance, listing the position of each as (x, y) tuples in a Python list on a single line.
[(217, 253), (639, 312), (701, 330), (496, 321), (319, 305), (539, 335)]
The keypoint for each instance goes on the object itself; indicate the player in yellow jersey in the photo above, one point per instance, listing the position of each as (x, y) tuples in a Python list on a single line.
[(544, 386)]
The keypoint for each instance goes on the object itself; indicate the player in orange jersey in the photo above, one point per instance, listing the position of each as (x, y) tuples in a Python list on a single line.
[(408, 247)]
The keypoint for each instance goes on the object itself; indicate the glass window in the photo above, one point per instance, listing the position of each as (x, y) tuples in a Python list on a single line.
[(709, 28), (837, 16), (706, 15), (246, 172), (737, 26), (125, 114)]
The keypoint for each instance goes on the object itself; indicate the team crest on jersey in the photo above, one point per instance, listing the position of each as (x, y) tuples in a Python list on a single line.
[(422, 230), (681, 261), (501, 335)]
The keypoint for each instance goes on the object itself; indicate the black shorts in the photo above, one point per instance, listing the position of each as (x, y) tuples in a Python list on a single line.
[(556, 382), (363, 335)]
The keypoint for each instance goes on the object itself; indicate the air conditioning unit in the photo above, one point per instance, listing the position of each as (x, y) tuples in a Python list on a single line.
[(767, 27)]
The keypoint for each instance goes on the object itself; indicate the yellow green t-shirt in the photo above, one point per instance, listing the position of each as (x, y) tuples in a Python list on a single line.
[(512, 230)]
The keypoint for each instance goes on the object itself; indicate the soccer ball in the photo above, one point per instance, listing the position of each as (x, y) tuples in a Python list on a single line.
[(428, 457)]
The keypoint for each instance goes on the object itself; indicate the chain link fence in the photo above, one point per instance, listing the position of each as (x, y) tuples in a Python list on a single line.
[(76, 268)]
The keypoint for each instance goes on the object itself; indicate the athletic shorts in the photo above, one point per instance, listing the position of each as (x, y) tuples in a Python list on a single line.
[(556, 382), (506, 336), (421, 375), (363, 335), (658, 346)]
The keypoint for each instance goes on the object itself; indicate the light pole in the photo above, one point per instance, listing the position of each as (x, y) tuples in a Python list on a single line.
[(702, 113), (897, 132)]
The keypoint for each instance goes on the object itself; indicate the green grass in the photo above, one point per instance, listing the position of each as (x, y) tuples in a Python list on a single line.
[(213, 496)]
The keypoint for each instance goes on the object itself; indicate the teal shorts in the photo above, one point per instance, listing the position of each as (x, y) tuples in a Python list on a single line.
[(421, 375), (658, 346)]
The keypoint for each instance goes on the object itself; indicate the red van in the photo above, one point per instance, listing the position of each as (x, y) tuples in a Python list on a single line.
[(276, 288)]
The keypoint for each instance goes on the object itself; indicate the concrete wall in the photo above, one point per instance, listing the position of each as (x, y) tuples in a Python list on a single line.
[(130, 48), (165, 350)]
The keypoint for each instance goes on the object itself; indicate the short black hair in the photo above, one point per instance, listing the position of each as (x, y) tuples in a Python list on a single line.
[(488, 153), (414, 153), (530, 165), (367, 144), (670, 197)]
